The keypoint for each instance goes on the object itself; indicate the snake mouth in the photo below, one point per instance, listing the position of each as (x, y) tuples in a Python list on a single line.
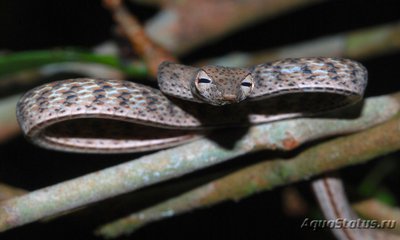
[(225, 100), (229, 97)]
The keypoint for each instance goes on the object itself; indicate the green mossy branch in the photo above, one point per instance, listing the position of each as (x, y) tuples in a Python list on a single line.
[(16, 62)]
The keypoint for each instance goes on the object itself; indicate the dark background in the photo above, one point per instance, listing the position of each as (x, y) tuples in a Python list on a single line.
[(27, 25)]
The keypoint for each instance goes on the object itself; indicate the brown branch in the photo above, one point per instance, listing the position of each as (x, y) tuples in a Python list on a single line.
[(7, 191), (373, 209), (357, 44), (152, 54), (185, 25)]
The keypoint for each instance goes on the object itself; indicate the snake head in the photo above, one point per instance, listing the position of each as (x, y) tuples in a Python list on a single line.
[(218, 85)]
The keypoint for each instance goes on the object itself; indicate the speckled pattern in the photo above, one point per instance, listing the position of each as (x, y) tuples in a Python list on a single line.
[(71, 99), (89, 115), (180, 81), (175, 80), (334, 75)]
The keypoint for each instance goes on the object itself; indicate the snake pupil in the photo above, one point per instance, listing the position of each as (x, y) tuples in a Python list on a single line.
[(204, 80), (246, 84)]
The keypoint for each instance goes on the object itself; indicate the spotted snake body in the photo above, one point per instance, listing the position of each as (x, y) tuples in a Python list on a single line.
[(89, 115)]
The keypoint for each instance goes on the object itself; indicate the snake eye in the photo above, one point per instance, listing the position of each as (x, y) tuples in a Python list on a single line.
[(204, 86), (247, 85), (203, 78)]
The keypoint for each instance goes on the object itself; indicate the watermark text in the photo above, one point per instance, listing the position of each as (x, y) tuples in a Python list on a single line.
[(341, 223)]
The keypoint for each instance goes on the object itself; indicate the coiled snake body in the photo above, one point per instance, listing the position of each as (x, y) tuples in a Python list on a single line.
[(89, 115)]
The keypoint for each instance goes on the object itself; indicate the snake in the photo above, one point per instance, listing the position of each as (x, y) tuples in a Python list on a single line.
[(117, 116)]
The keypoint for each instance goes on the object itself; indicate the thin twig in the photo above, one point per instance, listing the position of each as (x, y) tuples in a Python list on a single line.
[(152, 54)]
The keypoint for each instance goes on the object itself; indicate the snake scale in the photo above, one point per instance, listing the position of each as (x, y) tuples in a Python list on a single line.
[(106, 116)]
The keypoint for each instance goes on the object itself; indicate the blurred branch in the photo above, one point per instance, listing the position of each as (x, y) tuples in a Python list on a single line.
[(373, 209), (355, 44), (184, 25), (334, 154), (16, 62), (8, 121), (358, 44), (7, 191), (151, 53), (23, 66), (181, 160), (152, 2)]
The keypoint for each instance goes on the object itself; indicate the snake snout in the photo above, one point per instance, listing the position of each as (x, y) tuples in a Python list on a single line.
[(229, 97)]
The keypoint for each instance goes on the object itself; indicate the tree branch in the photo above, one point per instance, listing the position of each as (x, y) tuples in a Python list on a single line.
[(178, 161), (334, 154)]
